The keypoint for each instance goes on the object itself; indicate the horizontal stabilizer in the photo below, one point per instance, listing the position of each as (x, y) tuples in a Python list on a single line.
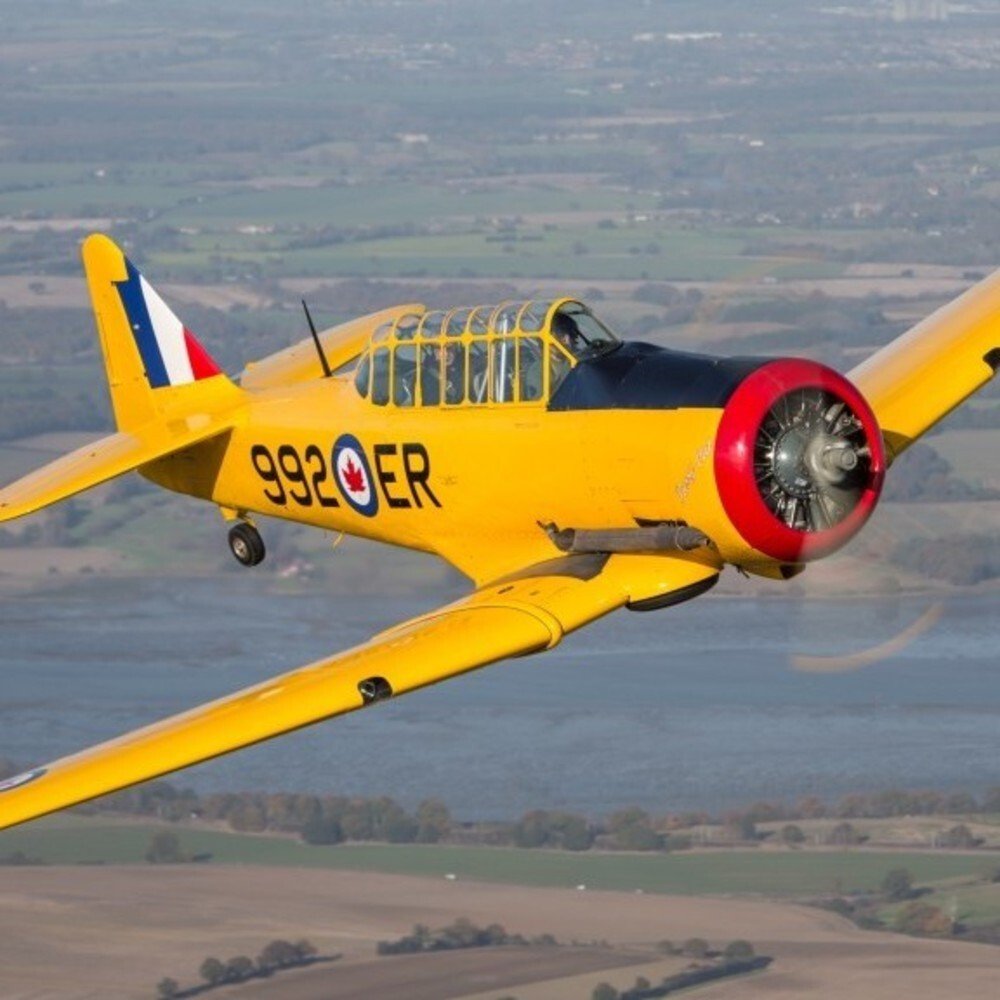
[(102, 460)]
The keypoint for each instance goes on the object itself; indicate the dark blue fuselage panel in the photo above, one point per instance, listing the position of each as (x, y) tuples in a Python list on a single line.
[(638, 376)]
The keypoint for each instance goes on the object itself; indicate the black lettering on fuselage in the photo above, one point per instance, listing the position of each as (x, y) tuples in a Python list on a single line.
[(385, 477), (417, 464), (305, 479)]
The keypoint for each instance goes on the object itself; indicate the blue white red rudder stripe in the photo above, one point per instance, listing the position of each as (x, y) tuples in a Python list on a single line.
[(170, 353)]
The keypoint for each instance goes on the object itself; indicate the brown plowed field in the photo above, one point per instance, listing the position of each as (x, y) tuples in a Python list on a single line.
[(438, 976), (110, 932)]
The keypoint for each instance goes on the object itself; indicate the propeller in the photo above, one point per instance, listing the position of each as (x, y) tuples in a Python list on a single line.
[(846, 662)]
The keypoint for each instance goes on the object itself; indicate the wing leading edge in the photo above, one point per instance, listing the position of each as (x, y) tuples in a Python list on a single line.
[(919, 378), (513, 617)]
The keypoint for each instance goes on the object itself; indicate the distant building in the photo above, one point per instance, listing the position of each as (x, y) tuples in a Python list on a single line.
[(920, 10)]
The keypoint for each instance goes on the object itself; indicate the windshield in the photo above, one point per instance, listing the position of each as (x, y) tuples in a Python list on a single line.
[(581, 333)]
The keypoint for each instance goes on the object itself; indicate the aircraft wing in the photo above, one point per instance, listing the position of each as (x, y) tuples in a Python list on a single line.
[(300, 362), (516, 616), (923, 375)]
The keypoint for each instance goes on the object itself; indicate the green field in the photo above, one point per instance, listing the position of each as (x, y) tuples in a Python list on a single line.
[(78, 841), (971, 905), (580, 252)]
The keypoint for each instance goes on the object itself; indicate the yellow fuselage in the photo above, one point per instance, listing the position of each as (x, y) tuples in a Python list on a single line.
[(471, 484)]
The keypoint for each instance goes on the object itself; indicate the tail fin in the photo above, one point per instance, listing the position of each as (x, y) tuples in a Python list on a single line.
[(166, 391), (155, 365)]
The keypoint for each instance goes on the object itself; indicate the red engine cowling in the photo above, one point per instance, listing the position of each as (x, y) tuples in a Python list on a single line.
[(799, 460)]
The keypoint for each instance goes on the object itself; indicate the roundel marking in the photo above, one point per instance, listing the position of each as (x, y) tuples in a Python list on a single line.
[(8, 784), (354, 475)]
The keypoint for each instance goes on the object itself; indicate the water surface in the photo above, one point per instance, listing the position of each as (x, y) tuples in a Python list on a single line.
[(692, 707)]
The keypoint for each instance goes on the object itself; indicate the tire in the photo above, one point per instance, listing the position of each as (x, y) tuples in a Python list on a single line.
[(246, 544)]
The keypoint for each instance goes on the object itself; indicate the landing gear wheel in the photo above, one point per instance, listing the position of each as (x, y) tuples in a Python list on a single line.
[(246, 544)]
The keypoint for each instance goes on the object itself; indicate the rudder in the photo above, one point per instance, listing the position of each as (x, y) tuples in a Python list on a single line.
[(154, 364)]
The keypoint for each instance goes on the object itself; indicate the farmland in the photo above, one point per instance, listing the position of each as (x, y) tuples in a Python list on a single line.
[(74, 841)]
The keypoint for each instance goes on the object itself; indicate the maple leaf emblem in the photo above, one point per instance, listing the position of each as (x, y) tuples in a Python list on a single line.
[(354, 477)]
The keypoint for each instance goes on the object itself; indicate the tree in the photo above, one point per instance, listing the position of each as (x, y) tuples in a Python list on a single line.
[(357, 821), (320, 829), (239, 968), (604, 991), (164, 848), (792, 834), (897, 884), (845, 835), (737, 951), (532, 830), (695, 947), (639, 838), (167, 988), (250, 816), (462, 933), (305, 949), (540, 828), (277, 955), (399, 828), (571, 832), (959, 836), (633, 830), (433, 821), (741, 826), (212, 971), (922, 918)]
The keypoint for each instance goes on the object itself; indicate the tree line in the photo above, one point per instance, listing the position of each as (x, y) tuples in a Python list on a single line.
[(331, 819), (317, 819), (736, 959), (462, 933), (274, 957)]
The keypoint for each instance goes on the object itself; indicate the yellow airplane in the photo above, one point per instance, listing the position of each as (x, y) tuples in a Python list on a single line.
[(565, 472)]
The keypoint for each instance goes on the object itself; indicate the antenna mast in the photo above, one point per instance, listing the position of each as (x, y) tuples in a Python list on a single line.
[(327, 370)]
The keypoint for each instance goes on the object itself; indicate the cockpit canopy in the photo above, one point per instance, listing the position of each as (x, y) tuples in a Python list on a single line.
[(515, 352)]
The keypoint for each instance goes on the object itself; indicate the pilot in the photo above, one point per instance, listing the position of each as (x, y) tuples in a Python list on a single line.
[(567, 333), (454, 372), (430, 375)]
